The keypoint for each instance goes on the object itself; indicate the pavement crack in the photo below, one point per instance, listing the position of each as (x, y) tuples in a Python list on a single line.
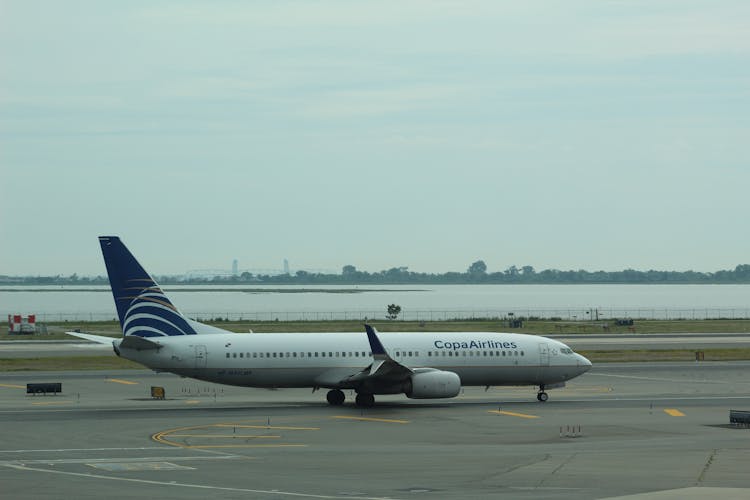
[(551, 474), (530, 463), (702, 475), (514, 468)]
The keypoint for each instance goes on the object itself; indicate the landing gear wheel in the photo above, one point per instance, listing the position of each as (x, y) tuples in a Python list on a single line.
[(542, 396), (364, 400), (335, 397)]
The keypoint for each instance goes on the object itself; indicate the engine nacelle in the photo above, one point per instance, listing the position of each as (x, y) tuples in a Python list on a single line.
[(433, 384)]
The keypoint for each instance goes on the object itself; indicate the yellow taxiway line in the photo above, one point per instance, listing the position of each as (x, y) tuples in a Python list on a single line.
[(369, 419), (229, 436), (673, 412), (512, 414), (164, 437), (120, 381), (242, 426), (212, 446), (13, 386)]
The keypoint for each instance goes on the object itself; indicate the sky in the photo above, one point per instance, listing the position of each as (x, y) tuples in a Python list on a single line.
[(559, 134)]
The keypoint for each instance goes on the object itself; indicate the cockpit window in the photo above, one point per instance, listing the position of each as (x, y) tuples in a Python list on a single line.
[(566, 350)]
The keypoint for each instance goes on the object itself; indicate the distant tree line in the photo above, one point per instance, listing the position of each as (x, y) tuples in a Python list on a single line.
[(475, 274)]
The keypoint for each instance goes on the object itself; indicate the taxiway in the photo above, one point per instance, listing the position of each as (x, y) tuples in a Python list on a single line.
[(621, 429)]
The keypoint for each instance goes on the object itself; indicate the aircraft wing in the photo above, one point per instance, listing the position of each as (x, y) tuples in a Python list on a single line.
[(384, 370)]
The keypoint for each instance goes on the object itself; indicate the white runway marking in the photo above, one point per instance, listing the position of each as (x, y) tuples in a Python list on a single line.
[(64, 450), (189, 485), (119, 460), (655, 379)]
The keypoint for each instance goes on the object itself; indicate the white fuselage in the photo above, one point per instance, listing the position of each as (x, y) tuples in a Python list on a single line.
[(326, 359)]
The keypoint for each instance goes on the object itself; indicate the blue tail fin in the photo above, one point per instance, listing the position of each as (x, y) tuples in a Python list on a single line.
[(142, 307)]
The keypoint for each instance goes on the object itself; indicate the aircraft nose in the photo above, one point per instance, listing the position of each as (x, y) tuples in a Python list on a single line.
[(583, 363)]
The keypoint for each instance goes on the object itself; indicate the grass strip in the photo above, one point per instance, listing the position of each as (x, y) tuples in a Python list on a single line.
[(54, 364), (538, 327), (625, 356)]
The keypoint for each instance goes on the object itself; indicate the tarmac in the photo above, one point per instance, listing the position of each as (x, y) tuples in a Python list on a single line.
[(636, 430)]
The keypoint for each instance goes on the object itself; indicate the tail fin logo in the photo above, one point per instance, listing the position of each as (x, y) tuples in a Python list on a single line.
[(141, 305), (151, 314)]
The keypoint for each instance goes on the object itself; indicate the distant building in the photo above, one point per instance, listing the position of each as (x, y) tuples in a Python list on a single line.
[(286, 266), (235, 268), (21, 324)]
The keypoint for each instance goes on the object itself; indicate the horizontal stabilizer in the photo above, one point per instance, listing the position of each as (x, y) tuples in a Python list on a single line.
[(99, 339), (139, 343)]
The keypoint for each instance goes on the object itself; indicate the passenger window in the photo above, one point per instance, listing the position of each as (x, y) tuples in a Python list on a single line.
[(227, 354), (255, 354), (521, 353), (234, 354), (294, 354), (503, 353), (429, 353), (330, 354)]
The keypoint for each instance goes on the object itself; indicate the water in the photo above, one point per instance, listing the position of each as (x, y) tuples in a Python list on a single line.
[(420, 302)]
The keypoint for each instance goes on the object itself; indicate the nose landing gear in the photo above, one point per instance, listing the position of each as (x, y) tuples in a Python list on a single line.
[(541, 395)]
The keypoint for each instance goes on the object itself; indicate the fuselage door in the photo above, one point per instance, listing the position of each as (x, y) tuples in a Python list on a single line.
[(543, 353), (200, 356)]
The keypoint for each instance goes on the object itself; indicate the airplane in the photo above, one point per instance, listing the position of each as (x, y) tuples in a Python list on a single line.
[(421, 365)]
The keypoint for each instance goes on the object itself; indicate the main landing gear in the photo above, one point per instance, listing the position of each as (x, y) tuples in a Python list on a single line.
[(541, 395), (364, 400), (336, 397)]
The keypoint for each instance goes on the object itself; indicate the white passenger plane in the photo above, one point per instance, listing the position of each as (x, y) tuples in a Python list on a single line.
[(421, 365)]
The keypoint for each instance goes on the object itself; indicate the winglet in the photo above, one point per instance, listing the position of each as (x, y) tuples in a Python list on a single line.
[(378, 351), (383, 364)]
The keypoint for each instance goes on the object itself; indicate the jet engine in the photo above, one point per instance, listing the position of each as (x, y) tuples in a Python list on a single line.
[(433, 384)]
